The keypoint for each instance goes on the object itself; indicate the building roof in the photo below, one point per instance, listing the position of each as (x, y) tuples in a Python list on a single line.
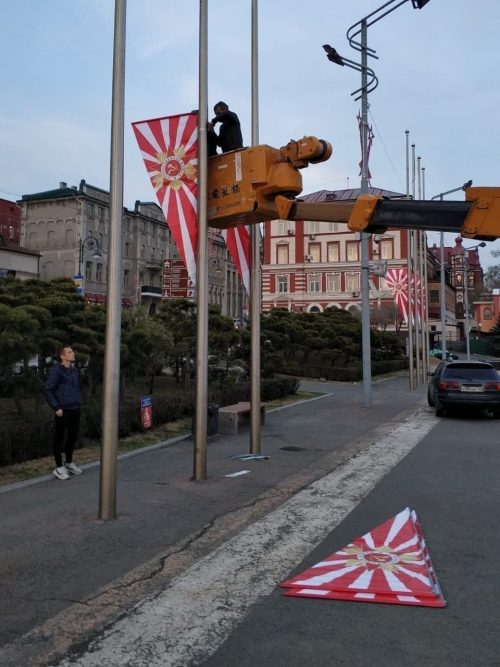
[(347, 195), (11, 246)]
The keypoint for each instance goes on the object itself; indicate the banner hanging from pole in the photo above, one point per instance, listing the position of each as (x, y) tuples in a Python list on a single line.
[(169, 147), (238, 243)]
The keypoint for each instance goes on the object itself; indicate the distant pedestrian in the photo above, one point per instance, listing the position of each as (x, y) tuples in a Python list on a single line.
[(229, 137), (62, 391)]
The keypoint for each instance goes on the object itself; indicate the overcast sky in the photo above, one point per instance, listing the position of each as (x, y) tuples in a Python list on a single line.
[(437, 67)]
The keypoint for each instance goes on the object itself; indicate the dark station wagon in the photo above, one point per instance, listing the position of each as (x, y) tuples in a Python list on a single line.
[(464, 384)]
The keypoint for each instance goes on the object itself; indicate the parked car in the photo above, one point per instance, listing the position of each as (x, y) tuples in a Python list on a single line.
[(438, 354), (459, 384)]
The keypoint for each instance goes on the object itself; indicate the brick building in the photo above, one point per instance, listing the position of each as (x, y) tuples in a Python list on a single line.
[(69, 227), (310, 265)]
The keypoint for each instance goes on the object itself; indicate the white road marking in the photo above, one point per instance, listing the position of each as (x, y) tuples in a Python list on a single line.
[(194, 615)]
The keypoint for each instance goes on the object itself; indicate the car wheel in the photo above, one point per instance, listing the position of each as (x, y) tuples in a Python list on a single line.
[(430, 400)]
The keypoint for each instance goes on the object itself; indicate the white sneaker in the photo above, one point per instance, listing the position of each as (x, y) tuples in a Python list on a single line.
[(73, 468), (61, 473)]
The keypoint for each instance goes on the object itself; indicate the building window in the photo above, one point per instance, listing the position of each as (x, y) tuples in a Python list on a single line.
[(51, 236), (283, 227), (333, 226), (126, 278), (143, 251), (352, 282), (88, 270), (352, 251), (311, 227), (282, 254), (459, 279), (315, 252), (488, 315), (98, 273), (100, 212), (314, 282), (127, 249), (386, 249), (333, 282), (89, 209), (333, 251), (282, 284)]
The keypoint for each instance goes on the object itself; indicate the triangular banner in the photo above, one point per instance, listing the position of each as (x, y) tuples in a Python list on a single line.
[(389, 564)]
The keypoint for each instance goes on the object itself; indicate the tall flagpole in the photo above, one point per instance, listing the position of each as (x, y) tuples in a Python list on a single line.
[(200, 427), (110, 399), (415, 252), (409, 242), (255, 280)]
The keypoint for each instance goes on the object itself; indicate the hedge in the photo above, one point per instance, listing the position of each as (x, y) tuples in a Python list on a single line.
[(22, 440)]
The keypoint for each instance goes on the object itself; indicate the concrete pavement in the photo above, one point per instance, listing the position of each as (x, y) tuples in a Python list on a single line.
[(66, 576)]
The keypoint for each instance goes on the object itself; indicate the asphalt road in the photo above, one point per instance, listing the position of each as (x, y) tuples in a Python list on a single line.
[(66, 577)]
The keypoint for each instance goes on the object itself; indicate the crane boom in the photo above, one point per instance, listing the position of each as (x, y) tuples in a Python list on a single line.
[(250, 185)]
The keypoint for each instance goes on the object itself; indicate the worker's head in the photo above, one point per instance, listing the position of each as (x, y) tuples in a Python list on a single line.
[(220, 107)]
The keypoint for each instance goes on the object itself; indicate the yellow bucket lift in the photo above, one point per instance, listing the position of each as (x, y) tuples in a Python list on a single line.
[(251, 185)]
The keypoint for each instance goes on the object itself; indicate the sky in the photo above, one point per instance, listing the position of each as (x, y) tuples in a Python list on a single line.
[(437, 69)]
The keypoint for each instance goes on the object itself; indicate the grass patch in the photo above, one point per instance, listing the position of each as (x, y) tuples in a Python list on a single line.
[(91, 449)]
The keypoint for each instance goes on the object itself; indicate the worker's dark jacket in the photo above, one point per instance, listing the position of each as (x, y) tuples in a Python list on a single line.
[(230, 131), (62, 388)]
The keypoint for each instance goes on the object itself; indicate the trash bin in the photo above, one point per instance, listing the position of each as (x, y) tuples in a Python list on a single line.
[(212, 420)]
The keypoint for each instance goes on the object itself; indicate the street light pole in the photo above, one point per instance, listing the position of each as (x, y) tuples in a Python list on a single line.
[(442, 282), (467, 314), (88, 243), (361, 28), (365, 277)]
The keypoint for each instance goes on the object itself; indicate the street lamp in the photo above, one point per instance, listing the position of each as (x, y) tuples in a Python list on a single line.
[(442, 288), (467, 315), (361, 28), (89, 243)]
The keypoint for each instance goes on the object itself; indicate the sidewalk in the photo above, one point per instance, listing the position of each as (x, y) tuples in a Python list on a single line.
[(65, 574)]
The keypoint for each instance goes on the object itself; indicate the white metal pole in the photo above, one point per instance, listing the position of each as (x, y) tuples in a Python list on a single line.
[(111, 388), (425, 299), (466, 303), (442, 292), (409, 242), (415, 255), (201, 416), (255, 276)]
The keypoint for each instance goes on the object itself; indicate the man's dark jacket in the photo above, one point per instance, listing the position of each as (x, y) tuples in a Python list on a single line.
[(62, 388), (230, 131)]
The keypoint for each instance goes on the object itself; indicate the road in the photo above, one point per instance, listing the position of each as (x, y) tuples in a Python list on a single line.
[(194, 581)]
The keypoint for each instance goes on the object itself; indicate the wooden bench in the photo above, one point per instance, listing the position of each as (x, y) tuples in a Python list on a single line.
[(232, 416)]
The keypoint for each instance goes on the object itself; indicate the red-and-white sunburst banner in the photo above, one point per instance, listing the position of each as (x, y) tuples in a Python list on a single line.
[(397, 280), (238, 243), (169, 147)]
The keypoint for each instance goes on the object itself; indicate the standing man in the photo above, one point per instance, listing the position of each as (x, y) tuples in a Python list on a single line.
[(62, 391), (229, 137)]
